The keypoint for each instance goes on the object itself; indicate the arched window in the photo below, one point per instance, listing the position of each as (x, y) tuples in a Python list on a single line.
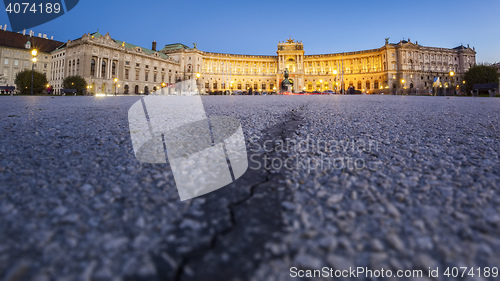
[(92, 67), (125, 90), (103, 70), (136, 90), (146, 90)]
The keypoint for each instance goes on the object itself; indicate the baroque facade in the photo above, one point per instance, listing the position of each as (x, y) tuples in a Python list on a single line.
[(112, 66), (405, 66)]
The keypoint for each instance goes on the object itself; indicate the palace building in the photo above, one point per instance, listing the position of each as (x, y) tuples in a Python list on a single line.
[(15, 54), (403, 66), (112, 66)]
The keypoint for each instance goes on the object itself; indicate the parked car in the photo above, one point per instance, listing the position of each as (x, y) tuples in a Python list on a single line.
[(264, 93)]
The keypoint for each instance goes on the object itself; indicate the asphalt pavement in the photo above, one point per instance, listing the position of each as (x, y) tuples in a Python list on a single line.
[(380, 182)]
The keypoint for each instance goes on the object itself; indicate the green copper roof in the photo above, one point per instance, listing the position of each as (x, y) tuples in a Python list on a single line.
[(96, 34), (175, 46), (132, 47)]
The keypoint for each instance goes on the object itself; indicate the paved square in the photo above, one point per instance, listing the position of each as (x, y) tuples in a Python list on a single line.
[(394, 182)]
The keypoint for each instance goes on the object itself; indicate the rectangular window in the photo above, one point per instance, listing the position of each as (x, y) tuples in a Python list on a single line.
[(154, 77), (126, 73), (137, 75), (146, 76), (263, 86), (127, 63), (6, 61), (271, 87), (16, 62)]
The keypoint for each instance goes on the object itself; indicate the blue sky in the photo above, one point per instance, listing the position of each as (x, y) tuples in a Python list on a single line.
[(255, 27)]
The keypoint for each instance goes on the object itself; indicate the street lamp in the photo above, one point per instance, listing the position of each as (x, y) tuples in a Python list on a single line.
[(197, 84), (116, 80), (335, 73), (33, 54), (451, 78)]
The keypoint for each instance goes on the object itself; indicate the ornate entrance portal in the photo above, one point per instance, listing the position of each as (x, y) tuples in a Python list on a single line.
[(291, 61)]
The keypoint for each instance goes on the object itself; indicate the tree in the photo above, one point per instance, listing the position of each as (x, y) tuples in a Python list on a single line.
[(23, 82), (480, 74), (75, 82)]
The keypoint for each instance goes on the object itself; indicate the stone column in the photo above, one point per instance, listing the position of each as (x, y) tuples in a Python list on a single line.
[(99, 67)]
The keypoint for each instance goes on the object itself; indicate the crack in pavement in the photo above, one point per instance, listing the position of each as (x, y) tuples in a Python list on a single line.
[(253, 219)]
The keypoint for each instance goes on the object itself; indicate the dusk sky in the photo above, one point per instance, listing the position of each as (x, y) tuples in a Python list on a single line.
[(256, 27)]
